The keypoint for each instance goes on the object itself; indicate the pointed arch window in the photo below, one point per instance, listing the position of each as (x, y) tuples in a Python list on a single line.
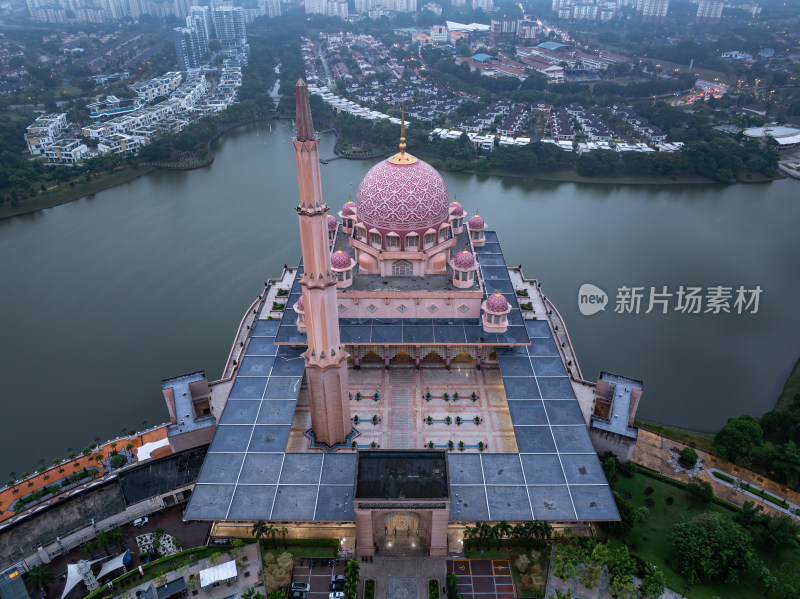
[(402, 268)]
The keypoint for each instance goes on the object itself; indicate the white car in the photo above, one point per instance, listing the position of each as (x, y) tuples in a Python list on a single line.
[(300, 586), (337, 595), (139, 522)]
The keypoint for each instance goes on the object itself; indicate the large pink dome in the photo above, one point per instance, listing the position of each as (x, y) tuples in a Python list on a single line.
[(402, 198)]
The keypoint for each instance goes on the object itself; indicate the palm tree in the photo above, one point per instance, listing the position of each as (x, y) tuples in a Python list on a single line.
[(546, 530), (39, 577), (530, 532), (272, 531), (259, 529), (468, 532), (518, 533), (503, 530), (283, 533)]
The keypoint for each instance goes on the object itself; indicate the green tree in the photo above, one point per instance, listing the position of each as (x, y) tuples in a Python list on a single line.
[(259, 529), (738, 440), (687, 457), (711, 547), (39, 577)]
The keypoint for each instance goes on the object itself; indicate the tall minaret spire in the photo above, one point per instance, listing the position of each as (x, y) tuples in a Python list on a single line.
[(326, 361)]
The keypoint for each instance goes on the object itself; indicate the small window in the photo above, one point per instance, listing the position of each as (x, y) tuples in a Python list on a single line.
[(412, 242), (443, 234), (430, 238), (393, 241), (375, 239)]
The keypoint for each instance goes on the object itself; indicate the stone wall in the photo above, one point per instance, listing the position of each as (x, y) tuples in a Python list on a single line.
[(619, 445)]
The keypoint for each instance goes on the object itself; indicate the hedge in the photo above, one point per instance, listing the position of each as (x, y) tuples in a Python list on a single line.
[(681, 485), (724, 477), (747, 487), (369, 589), (433, 589)]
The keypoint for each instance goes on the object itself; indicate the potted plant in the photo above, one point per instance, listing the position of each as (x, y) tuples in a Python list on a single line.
[(455, 396), (355, 419), (358, 395), (429, 420), (458, 420), (428, 395), (373, 445), (460, 446), (481, 446), (477, 420), (376, 396), (446, 396), (474, 396), (447, 420), (353, 445), (449, 445), (375, 419), (430, 444)]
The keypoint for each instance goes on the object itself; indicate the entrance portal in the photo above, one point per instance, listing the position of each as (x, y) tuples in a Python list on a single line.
[(401, 535)]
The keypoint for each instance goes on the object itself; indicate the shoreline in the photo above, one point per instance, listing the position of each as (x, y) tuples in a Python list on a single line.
[(44, 201)]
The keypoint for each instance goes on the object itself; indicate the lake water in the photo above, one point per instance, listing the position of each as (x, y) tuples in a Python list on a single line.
[(104, 297)]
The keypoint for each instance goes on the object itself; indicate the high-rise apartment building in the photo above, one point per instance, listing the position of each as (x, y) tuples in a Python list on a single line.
[(709, 11), (190, 47), (229, 23), (652, 11), (484, 5), (200, 18)]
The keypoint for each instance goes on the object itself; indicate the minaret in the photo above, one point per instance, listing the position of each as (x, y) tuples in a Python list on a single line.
[(326, 361)]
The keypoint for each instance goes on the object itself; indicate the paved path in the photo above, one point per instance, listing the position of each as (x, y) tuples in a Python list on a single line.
[(483, 578)]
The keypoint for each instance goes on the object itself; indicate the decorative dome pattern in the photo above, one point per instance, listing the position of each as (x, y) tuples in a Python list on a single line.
[(496, 303), (332, 222), (340, 259), (300, 304), (402, 197), (476, 222), (456, 209), (347, 209), (464, 259)]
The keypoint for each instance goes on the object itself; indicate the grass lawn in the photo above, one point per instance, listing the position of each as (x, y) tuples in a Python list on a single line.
[(701, 440), (650, 539)]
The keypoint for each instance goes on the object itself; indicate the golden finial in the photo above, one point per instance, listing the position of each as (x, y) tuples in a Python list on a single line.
[(401, 157)]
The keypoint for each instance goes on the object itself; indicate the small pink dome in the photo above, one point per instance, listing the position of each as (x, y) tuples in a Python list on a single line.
[(464, 259), (476, 222), (347, 209), (300, 305), (332, 222), (456, 209), (340, 259), (496, 303)]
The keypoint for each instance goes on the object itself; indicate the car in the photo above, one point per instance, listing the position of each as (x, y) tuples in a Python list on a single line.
[(338, 578), (337, 595), (300, 586), (139, 522), (297, 595), (336, 587)]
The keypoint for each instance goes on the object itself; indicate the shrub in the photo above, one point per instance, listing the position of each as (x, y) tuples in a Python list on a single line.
[(369, 589), (118, 460), (429, 420), (649, 490), (670, 500), (700, 491), (433, 589), (458, 420), (481, 446), (522, 563), (430, 444), (277, 307), (687, 457), (449, 445)]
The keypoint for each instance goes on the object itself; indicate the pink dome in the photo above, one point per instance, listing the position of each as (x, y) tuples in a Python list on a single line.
[(402, 198), (476, 222), (456, 209), (464, 259), (496, 303), (340, 259), (332, 222), (300, 304), (347, 209)]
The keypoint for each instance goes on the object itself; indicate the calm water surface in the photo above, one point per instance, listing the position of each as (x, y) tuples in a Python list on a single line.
[(104, 297)]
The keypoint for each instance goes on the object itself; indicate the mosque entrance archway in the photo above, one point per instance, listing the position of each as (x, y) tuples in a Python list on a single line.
[(401, 535), (402, 268)]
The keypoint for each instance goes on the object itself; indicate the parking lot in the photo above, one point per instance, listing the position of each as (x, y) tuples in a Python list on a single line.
[(319, 577)]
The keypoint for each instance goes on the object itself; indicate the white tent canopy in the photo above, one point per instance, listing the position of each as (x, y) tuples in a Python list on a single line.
[(115, 563), (220, 573), (75, 576)]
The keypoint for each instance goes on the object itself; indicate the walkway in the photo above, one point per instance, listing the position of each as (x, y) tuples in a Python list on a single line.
[(483, 578), (659, 454)]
